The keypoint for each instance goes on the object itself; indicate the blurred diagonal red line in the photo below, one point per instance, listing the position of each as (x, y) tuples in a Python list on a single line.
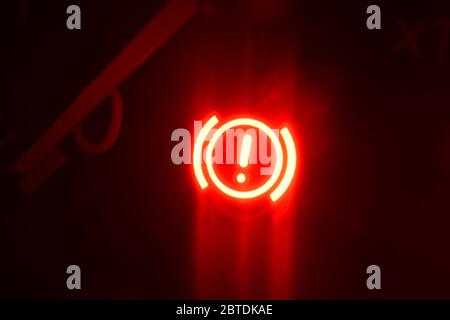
[(158, 31)]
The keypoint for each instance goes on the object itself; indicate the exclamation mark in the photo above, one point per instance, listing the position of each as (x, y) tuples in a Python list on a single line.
[(244, 156)]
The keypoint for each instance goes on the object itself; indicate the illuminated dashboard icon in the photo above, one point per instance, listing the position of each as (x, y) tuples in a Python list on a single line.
[(289, 156)]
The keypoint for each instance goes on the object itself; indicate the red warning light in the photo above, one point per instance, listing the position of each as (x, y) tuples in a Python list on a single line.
[(285, 158)]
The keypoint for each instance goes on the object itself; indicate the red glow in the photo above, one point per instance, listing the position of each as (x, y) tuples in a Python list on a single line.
[(245, 248)]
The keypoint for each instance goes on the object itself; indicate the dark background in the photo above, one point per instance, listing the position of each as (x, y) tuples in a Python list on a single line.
[(375, 184)]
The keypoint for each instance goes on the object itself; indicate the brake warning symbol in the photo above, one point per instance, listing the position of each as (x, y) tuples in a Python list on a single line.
[(280, 178)]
